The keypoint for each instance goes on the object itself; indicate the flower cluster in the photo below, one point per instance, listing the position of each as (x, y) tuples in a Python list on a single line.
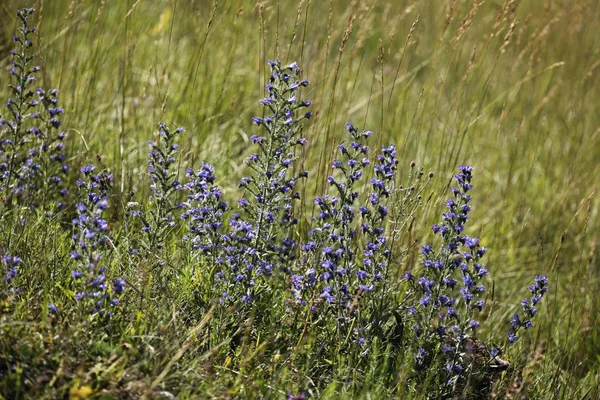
[(54, 169), (161, 168), (271, 189), (449, 287), (239, 263), (537, 289), (90, 240), (328, 272), (259, 243), (32, 159), (157, 218), (204, 211), (11, 266), (329, 250), (377, 252)]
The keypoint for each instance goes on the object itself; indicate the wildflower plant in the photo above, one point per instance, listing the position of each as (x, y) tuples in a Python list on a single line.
[(162, 168), (259, 244), (159, 216), (33, 165), (270, 190), (528, 310), (446, 292), (272, 186), (447, 296), (345, 263), (204, 211), (91, 240), (377, 255), (328, 275)]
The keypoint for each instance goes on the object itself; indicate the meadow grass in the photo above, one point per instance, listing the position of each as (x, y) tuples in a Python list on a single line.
[(510, 88)]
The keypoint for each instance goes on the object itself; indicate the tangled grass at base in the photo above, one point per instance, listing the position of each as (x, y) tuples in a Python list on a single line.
[(198, 288)]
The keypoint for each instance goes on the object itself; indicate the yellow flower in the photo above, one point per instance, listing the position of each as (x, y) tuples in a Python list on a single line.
[(81, 393)]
